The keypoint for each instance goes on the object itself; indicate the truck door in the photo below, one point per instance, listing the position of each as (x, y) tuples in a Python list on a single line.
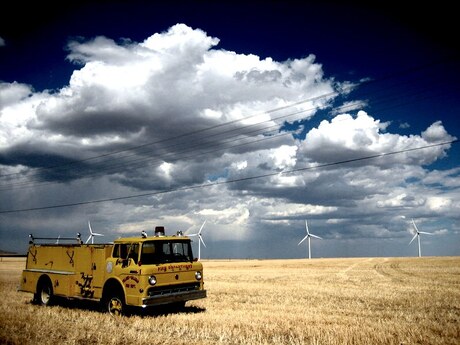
[(127, 268)]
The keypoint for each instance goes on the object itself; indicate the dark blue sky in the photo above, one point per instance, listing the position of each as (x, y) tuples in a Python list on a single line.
[(349, 39)]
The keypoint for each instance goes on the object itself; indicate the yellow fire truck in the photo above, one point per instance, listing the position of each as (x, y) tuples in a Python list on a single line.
[(140, 271)]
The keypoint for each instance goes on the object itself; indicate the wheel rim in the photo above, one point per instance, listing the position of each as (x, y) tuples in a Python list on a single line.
[(45, 294), (115, 306)]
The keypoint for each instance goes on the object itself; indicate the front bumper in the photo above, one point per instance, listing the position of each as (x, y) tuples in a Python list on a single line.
[(173, 297)]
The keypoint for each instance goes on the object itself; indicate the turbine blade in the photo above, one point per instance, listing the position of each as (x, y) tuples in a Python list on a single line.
[(413, 238), (425, 233), (202, 227), (91, 233), (415, 226), (303, 239), (315, 236), (201, 239), (306, 227), (199, 232)]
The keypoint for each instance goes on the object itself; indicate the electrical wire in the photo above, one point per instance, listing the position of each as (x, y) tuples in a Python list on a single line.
[(344, 89), (103, 168), (186, 188)]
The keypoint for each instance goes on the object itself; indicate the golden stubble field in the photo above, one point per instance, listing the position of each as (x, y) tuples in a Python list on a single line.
[(300, 301)]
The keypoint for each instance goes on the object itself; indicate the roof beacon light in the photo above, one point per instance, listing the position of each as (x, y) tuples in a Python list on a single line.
[(159, 231)]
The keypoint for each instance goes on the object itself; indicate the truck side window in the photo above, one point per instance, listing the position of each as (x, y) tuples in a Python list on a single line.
[(120, 251), (150, 253), (134, 252), (116, 251), (167, 249)]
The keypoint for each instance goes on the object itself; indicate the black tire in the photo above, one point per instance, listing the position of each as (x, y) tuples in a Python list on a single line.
[(44, 294), (114, 304)]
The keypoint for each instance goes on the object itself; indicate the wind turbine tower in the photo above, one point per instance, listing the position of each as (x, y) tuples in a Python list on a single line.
[(417, 234), (308, 236), (200, 240)]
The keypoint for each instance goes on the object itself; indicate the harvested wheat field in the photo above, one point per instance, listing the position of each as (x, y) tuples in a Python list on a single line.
[(318, 301)]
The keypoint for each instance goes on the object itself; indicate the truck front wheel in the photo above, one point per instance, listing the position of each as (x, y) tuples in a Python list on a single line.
[(115, 305), (44, 294)]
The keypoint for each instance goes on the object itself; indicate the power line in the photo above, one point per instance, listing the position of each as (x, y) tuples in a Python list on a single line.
[(319, 166), (179, 155), (175, 156), (180, 136), (330, 94), (190, 146)]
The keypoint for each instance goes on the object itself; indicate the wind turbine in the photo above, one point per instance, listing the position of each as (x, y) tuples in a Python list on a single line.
[(200, 240), (417, 234), (309, 235), (92, 234)]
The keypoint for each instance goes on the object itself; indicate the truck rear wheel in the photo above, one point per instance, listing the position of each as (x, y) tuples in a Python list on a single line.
[(44, 294)]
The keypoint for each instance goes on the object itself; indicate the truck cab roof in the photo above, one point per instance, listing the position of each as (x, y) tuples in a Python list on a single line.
[(150, 238)]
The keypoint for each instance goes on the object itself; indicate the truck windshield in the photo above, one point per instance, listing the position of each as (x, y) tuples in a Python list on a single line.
[(158, 252)]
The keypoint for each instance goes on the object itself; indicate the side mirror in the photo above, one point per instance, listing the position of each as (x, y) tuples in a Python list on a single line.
[(123, 262)]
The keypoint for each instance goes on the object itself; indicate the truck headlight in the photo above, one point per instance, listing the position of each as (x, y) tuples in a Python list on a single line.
[(198, 275), (152, 280)]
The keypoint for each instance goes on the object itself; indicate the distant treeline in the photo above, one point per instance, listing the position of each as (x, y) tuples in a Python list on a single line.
[(12, 255)]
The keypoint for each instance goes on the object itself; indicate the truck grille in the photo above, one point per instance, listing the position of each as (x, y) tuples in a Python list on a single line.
[(166, 290)]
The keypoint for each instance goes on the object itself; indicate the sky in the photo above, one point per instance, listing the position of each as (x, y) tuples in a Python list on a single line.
[(251, 116)]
